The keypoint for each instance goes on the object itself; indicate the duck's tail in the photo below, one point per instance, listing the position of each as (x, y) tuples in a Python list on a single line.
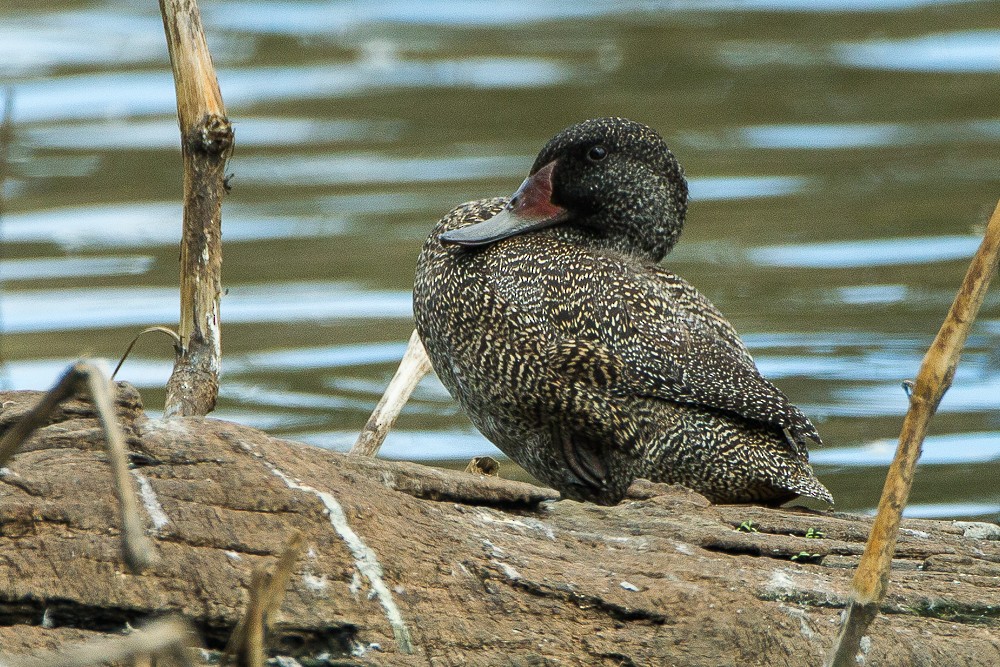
[(803, 482)]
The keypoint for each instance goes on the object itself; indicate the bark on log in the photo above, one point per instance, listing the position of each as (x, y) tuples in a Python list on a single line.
[(470, 570)]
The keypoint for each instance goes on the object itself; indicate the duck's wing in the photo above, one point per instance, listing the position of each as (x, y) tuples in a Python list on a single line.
[(670, 342), (678, 346), (697, 309)]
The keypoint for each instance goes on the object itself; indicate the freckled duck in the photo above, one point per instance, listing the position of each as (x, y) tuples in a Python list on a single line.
[(547, 317)]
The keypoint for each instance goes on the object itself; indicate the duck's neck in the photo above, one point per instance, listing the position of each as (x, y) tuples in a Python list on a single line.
[(643, 240)]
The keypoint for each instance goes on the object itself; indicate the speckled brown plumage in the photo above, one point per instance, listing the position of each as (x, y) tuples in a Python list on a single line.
[(578, 356)]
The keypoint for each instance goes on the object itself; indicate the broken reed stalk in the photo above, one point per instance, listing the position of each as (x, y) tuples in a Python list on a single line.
[(936, 372), (168, 636), (267, 591), (137, 548), (274, 595), (206, 144), (249, 651), (413, 366)]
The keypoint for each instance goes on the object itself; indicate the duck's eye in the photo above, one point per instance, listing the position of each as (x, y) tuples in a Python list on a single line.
[(597, 153)]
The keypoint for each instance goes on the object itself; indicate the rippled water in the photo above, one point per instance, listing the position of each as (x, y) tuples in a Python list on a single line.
[(843, 157)]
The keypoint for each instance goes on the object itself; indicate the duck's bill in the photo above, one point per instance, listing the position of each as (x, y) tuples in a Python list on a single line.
[(530, 208)]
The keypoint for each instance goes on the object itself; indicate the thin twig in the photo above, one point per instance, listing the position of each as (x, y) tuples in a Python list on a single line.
[(169, 635), (249, 650), (936, 373), (413, 366), (170, 332)]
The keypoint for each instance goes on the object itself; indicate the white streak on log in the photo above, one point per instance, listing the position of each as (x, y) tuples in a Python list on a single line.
[(916, 533), (150, 501), (355, 586), (526, 526), (364, 558), (804, 626), (781, 583)]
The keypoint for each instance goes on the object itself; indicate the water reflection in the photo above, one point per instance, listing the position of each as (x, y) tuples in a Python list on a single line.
[(74, 309), (43, 373), (987, 511), (973, 51), (162, 133), (832, 208), (813, 5), (91, 96), (46, 41), (413, 445), (331, 356), (146, 224), (867, 135), (937, 450), (356, 169), (973, 394), (305, 18), (73, 267), (745, 187), (870, 252)]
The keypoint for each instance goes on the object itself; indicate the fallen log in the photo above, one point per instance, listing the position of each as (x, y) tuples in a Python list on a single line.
[(410, 565)]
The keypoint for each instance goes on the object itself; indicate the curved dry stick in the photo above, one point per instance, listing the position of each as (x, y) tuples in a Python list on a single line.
[(15, 436), (936, 372), (137, 548), (413, 366), (136, 545)]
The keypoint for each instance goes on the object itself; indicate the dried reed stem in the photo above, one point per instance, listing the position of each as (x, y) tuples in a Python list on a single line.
[(206, 144), (414, 366), (936, 372), (137, 548), (267, 591), (38, 415)]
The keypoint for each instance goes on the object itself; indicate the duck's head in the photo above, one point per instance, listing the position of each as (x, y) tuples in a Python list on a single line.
[(611, 182)]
